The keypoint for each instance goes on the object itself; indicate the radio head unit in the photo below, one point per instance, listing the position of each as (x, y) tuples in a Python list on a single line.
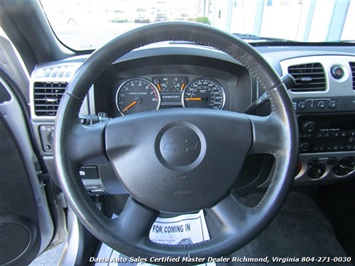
[(326, 134)]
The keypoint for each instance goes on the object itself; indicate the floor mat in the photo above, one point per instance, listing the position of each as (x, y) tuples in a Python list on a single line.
[(50, 257), (300, 230), (338, 202)]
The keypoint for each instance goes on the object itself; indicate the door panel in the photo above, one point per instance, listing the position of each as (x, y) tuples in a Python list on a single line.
[(26, 227)]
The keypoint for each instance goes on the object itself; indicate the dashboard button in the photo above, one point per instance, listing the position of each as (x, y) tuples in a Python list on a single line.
[(326, 135), (328, 148), (317, 148), (332, 104), (337, 72), (321, 104), (302, 105)]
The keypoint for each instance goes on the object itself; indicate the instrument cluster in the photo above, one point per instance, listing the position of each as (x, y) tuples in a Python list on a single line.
[(141, 94)]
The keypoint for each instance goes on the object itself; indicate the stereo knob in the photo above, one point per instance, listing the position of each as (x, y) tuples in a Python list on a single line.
[(305, 147), (308, 126)]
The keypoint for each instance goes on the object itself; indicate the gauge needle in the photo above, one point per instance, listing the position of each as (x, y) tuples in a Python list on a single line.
[(194, 99), (129, 106), (157, 83), (136, 101)]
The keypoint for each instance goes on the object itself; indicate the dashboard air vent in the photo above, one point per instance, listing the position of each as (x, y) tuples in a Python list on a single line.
[(66, 71), (352, 66), (47, 96), (309, 77)]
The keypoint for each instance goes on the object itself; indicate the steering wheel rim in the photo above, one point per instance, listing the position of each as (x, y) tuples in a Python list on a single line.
[(274, 134)]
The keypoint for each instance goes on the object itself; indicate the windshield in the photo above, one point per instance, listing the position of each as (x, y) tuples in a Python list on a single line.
[(89, 24)]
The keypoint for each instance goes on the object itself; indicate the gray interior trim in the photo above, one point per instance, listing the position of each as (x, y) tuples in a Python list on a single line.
[(12, 62), (71, 250), (12, 112), (335, 88)]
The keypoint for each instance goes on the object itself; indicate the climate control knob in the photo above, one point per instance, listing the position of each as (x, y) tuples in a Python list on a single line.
[(344, 166), (316, 171)]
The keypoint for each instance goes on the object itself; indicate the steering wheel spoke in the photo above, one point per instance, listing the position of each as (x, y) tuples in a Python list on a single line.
[(85, 144), (275, 133), (230, 215), (135, 221), (267, 134)]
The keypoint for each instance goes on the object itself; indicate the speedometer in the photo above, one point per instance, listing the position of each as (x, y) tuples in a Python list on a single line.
[(204, 93), (137, 95)]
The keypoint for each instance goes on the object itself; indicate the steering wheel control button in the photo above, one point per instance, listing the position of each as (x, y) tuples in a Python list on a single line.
[(180, 146)]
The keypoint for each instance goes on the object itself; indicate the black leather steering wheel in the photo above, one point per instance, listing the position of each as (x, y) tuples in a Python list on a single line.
[(163, 180)]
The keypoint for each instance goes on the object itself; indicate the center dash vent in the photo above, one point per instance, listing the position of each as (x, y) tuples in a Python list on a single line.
[(47, 96), (308, 77), (352, 66)]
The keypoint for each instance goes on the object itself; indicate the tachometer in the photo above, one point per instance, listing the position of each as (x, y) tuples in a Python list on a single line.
[(137, 95), (204, 93)]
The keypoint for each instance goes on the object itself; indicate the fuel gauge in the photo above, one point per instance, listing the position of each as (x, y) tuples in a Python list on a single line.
[(161, 83), (170, 84)]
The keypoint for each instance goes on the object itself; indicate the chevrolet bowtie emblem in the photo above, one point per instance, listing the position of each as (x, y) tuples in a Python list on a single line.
[(181, 145)]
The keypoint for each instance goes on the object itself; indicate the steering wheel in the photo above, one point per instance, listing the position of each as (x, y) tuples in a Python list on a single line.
[(161, 179)]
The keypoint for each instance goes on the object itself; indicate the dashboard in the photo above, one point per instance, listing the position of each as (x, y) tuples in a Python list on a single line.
[(190, 76)]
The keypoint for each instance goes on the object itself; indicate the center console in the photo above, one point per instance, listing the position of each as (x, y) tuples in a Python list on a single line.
[(326, 146), (324, 102)]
